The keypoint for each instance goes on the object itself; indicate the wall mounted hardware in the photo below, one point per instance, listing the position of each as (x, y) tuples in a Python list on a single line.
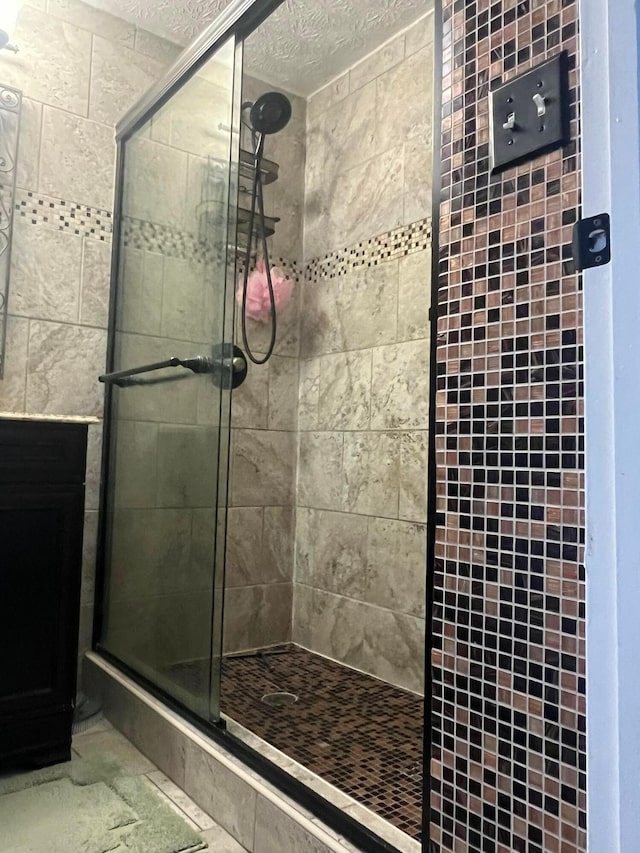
[(529, 115), (591, 244)]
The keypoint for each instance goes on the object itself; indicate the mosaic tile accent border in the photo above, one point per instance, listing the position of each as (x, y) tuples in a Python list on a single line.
[(64, 215), (385, 247), (508, 741), (172, 242), (290, 268), (96, 223), (162, 239)]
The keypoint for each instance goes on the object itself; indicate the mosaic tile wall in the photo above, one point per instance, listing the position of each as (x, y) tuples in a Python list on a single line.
[(508, 753)]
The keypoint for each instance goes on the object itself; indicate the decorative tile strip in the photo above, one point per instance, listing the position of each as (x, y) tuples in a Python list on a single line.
[(64, 215), (290, 268), (172, 242), (162, 239), (139, 234), (377, 250)]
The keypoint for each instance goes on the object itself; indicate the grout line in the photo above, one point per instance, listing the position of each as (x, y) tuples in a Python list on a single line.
[(347, 71), (82, 116), (81, 280), (394, 610), (343, 491), (188, 806), (38, 147), (26, 369), (371, 391), (255, 822), (59, 322), (78, 26), (158, 792), (90, 74)]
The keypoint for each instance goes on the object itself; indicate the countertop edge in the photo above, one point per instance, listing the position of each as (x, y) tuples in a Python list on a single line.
[(66, 419)]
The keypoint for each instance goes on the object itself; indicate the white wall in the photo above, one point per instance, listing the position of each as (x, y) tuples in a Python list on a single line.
[(612, 407)]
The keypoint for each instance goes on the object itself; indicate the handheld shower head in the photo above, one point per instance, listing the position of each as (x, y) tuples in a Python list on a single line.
[(270, 113)]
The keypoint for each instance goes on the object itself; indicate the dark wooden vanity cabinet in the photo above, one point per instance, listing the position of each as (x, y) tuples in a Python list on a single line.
[(42, 474)]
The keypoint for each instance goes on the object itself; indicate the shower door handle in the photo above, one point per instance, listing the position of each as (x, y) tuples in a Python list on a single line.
[(199, 364), (233, 363)]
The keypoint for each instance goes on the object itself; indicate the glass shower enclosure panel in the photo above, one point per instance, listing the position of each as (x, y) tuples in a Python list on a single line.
[(168, 387)]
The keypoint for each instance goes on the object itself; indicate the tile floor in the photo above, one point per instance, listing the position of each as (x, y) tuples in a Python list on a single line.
[(102, 738), (361, 735)]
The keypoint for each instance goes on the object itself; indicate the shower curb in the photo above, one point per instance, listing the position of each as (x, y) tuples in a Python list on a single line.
[(260, 817)]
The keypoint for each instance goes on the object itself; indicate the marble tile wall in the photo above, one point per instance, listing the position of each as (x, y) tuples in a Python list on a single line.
[(362, 469), (79, 69), (369, 143), (261, 515), (363, 400)]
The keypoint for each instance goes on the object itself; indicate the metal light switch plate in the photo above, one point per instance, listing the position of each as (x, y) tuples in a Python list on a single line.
[(529, 115)]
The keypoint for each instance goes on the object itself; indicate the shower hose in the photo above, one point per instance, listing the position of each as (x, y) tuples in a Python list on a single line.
[(257, 200)]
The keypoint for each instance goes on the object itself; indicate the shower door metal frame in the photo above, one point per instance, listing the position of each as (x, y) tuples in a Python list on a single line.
[(240, 19)]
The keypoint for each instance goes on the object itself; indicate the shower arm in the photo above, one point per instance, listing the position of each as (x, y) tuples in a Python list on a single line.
[(198, 364)]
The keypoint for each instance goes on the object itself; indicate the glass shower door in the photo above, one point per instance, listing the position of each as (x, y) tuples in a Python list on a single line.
[(168, 386)]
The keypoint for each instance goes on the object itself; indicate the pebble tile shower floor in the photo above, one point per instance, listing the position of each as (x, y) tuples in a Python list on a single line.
[(358, 733)]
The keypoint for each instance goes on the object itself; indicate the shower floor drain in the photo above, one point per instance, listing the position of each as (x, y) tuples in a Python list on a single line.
[(278, 700)]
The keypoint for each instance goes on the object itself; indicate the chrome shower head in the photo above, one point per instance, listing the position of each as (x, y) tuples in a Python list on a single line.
[(270, 113)]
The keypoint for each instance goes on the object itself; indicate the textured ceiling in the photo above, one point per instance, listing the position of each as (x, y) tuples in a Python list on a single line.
[(302, 46)]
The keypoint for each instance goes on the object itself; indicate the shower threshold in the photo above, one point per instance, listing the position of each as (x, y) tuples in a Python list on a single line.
[(353, 739)]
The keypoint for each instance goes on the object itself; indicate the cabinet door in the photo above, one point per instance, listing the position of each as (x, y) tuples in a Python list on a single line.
[(40, 570)]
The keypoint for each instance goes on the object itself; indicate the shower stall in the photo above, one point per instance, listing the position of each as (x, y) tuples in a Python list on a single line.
[(264, 525)]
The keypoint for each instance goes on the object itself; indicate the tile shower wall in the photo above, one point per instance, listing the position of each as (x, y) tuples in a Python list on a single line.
[(261, 517), (508, 767), (364, 356), (79, 69), (369, 142)]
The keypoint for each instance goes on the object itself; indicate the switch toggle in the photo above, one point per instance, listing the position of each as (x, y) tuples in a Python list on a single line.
[(529, 115), (541, 104)]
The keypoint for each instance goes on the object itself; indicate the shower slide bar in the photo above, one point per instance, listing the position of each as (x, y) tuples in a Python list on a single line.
[(198, 364)]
